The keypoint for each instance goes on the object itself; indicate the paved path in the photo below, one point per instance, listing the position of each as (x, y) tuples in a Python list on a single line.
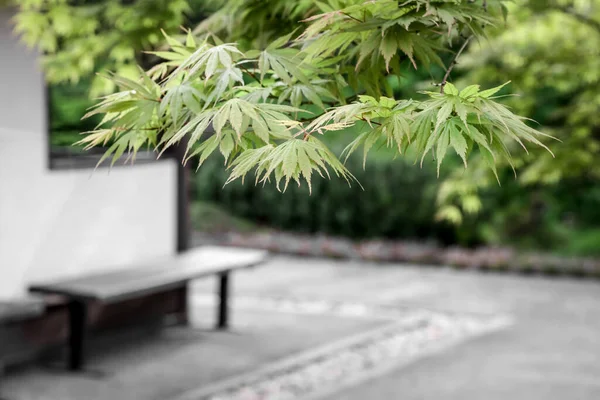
[(294, 306), (552, 351)]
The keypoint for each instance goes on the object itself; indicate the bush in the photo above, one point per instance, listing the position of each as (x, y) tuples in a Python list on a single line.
[(562, 218), (68, 103), (398, 201)]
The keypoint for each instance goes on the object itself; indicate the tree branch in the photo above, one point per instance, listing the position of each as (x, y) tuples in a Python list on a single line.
[(251, 74), (351, 17), (370, 122), (453, 63)]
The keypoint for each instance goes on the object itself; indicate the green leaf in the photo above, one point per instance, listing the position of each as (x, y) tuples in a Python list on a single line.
[(368, 99), (469, 91), (172, 42), (207, 148), (449, 88), (305, 166), (490, 92), (443, 114), (461, 111), (388, 49), (236, 118), (442, 147), (279, 42), (312, 95), (226, 146), (189, 40), (167, 55), (489, 159), (387, 102), (458, 142)]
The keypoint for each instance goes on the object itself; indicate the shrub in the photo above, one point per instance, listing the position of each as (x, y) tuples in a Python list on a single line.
[(398, 201)]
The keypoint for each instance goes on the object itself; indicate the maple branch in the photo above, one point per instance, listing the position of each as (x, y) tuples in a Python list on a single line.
[(453, 63), (351, 17), (252, 75), (370, 122)]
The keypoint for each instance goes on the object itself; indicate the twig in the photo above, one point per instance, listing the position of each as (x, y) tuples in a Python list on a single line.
[(370, 122), (453, 63), (351, 17), (252, 75), (306, 134)]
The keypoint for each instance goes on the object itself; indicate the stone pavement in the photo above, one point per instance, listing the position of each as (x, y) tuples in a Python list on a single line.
[(308, 328)]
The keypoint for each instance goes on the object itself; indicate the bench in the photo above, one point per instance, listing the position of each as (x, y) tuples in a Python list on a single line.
[(12, 311), (20, 309), (154, 277)]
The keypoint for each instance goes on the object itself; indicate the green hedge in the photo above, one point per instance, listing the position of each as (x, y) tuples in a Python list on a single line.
[(398, 201)]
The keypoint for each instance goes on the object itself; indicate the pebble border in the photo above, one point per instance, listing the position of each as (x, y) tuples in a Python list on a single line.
[(484, 259), (412, 334)]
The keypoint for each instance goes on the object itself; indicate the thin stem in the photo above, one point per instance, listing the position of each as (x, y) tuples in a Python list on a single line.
[(252, 75), (306, 134), (370, 122), (351, 17), (453, 63)]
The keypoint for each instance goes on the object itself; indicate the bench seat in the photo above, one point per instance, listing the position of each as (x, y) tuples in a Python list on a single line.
[(155, 276), (12, 310)]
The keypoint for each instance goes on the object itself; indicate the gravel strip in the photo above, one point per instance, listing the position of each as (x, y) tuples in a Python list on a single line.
[(411, 334), (485, 258)]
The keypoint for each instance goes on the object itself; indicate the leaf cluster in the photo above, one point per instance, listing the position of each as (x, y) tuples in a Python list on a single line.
[(263, 107)]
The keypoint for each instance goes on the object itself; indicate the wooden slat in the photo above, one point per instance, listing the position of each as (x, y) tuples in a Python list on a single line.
[(12, 310), (154, 276)]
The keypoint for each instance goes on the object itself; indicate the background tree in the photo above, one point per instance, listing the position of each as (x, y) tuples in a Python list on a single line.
[(79, 38), (551, 52), (434, 31)]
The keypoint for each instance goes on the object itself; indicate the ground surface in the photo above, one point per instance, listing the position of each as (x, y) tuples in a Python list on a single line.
[(349, 330)]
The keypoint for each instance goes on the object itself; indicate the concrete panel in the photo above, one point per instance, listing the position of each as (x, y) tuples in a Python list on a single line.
[(68, 222)]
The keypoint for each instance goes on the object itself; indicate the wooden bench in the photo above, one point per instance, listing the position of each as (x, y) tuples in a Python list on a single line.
[(158, 276), (14, 311), (20, 309)]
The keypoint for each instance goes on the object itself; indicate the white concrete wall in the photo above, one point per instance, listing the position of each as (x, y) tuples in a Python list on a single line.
[(64, 223)]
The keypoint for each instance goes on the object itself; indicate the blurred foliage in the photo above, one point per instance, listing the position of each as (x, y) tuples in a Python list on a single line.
[(68, 103), (79, 38), (561, 218), (548, 218), (550, 50), (209, 218)]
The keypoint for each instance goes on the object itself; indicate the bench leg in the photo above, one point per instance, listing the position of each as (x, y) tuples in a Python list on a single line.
[(1, 373), (182, 316), (77, 327), (223, 317)]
